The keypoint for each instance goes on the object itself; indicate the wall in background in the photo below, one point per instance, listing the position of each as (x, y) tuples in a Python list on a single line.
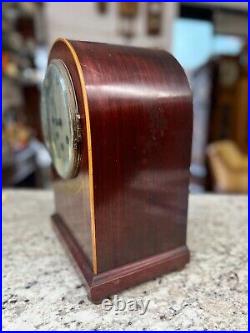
[(83, 21)]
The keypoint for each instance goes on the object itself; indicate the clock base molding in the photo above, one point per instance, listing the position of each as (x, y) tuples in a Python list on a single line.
[(102, 285)]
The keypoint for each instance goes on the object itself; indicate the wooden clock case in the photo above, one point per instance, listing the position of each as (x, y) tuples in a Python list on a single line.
[(123, 217)]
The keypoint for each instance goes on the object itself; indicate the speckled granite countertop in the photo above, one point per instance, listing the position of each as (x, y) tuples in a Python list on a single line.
[(41, 290)]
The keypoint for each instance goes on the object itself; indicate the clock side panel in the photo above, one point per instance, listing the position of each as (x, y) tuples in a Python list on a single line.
[(72, 198), (141, 125)]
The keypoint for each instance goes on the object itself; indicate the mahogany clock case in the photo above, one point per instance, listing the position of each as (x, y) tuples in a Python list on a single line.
[(123, 217)]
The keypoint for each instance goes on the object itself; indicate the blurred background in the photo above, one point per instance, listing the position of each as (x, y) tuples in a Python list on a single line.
[(209, 39)]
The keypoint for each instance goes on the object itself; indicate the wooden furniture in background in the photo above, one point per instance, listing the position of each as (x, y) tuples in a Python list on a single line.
[(229, 167), (229, 100), (240, 121), (220, 110)]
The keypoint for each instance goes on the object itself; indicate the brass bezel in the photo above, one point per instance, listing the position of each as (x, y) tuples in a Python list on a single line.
[(75, 124)]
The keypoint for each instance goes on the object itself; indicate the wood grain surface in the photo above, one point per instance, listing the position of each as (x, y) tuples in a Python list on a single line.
[(129, 201)]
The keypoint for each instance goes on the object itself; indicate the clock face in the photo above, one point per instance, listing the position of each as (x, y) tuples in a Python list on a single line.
[(60, 119)]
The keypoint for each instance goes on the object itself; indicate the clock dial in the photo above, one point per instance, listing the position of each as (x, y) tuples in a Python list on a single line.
[(60, 119)]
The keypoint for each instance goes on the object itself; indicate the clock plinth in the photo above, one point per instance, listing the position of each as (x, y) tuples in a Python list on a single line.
[(122, 213), (100, 286)]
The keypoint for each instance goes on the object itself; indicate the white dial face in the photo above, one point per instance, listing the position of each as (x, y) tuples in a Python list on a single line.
[(60, 119)]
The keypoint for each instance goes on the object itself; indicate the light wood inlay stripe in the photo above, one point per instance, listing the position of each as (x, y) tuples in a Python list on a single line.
[(89, 144)]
